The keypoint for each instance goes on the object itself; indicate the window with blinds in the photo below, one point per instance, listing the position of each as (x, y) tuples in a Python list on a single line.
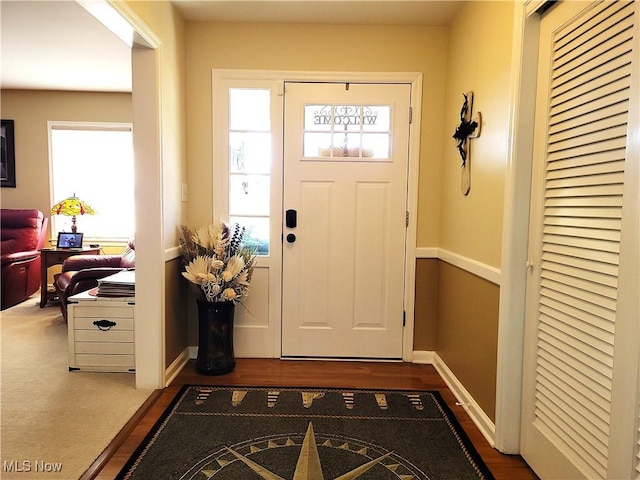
[(582, 213)]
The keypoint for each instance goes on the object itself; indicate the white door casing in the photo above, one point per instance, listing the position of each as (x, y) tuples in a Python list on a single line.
[(343, 275), (573, 317)]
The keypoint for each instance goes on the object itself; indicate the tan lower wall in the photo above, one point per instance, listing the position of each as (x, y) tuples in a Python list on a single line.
[(456, 315), (175, 312), (467, 331), (426, 305)]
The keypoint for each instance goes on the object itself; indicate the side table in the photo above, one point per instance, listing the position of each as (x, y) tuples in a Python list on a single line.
[(55, 256), (101, 333)]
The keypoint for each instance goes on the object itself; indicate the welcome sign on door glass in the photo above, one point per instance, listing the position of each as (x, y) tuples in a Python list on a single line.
[(347, 132)]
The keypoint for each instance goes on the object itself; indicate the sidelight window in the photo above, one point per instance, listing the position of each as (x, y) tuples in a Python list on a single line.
[(250, 163)]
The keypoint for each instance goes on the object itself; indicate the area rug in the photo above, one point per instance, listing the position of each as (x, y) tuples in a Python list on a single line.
[(237, 433)]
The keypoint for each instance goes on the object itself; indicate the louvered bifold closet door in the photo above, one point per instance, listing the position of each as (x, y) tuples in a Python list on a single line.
[(638, 457), (581, 216)]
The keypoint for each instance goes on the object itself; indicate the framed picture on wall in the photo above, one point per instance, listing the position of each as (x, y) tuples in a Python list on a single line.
[(7, 155)]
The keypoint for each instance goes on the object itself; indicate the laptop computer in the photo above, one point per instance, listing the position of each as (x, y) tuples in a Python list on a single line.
[(69, 240)]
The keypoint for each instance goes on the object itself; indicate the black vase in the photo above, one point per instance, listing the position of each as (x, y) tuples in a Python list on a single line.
[(215, 338)]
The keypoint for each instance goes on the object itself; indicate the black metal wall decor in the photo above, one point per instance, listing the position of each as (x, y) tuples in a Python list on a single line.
[(469, 128)]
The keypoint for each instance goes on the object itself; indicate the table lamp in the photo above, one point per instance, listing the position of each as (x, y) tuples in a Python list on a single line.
[(71, 207)]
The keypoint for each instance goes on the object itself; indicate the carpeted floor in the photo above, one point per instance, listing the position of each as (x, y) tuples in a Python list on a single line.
[(53, 419), (234, 433)]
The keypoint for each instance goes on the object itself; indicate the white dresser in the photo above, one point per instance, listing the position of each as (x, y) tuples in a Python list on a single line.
[(101, 333)]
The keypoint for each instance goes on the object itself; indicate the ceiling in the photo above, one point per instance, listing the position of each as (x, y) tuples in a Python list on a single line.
[(335, 12), (58, 45)]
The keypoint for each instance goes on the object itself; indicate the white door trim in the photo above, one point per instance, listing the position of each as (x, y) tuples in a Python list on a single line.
[(515, 230), (149, 327), (415, 79)]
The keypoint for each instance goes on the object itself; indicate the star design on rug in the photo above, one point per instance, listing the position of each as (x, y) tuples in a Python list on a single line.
[(308, 466)]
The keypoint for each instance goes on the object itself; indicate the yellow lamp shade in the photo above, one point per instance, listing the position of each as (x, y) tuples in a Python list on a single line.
[(71, 207)]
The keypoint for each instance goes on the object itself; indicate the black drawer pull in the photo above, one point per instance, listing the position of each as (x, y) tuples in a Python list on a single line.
[(104, 324)]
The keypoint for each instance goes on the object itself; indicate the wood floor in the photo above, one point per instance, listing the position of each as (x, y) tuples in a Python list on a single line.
[(262, 372)]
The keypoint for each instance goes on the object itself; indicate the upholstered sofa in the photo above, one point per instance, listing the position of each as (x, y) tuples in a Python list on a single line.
[(82, 272), (22, 236)]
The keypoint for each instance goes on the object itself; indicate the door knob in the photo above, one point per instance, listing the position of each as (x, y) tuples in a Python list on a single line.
[(291, 238)]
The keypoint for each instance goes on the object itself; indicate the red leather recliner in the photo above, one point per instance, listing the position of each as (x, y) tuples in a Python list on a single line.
[(82, 272), (22, 235)]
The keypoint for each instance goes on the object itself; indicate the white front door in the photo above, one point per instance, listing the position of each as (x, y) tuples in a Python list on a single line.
[(344, 227)]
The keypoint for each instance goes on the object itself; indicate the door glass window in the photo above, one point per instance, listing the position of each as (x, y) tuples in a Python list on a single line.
[(250, 163), (347, 131)]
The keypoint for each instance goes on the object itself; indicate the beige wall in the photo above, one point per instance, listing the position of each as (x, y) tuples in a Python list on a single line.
[(167, 24), (315, 48), (478, 59), (31, 110), (426, 305)]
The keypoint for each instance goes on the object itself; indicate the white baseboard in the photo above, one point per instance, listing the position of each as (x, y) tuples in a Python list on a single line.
[(176, 366), (423, 357), (479, 418)]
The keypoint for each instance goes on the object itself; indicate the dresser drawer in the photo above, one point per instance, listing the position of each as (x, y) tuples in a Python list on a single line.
[(102, 348), (125, 362), (87, 323), (100, 336), (89, 311)]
